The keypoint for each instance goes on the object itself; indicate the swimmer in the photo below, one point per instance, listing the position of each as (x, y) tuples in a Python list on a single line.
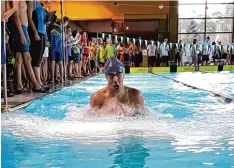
[(115, 98)]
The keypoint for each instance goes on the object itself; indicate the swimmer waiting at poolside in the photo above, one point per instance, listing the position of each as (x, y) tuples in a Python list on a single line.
[(115, 98)]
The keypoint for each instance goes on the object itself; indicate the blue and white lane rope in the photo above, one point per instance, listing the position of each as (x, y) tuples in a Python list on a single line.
[(225, 99)]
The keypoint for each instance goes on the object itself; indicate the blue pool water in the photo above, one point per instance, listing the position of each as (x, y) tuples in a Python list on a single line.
[(186, 127)]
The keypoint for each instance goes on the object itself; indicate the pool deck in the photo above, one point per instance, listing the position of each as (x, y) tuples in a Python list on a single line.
[(22, 99)]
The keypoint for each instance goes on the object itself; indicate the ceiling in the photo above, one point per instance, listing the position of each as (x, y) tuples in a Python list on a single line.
[(103, 10)]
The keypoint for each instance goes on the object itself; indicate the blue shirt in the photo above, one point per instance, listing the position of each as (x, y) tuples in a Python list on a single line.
[(56, 36), (39, 18)]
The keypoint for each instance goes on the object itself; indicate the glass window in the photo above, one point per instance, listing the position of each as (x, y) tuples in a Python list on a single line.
[(219, 25), (225, 38), (191, 25), (191, 11), (220, 10), (191, 2), (188, 38), (219, 1)]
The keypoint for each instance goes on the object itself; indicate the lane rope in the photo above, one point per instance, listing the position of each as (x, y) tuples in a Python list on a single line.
[(225, 99)]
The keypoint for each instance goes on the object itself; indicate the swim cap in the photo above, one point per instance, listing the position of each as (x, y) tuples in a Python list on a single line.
[(113, 65)]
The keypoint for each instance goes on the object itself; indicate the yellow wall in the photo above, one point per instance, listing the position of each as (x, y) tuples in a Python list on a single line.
[(106, 10)]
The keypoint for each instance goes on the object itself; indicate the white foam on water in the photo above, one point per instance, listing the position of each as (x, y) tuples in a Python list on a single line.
[(186, 134), (231, 142), (208, 164)]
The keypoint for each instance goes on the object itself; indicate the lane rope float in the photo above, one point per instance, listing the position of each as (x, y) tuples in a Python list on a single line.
[(225, 99)]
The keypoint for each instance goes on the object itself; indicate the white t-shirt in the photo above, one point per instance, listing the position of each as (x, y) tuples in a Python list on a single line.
[(164, 48), (151, 50)]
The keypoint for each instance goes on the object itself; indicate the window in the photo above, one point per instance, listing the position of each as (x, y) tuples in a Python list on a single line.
[(202, 18), (219, 1), (188, 38), (219, 25), (219, 10), (192, 11), (225, 38), (191, 25), (191, 2)]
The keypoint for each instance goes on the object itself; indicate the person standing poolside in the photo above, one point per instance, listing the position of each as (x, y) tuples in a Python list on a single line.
[(164, 47), (22, 43), (206, 49), (37, 34), (151, 51), (101, 55), (110, 49), (56, 51), (115, 98)]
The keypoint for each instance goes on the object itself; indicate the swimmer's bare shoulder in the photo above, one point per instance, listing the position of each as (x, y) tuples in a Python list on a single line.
[(136, 97), (97, 99)]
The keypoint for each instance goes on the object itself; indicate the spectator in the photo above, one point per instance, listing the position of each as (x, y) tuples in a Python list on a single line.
[(151, 52), (132, 50), (37, 34), (110, 49), (101, 55), (56, 48), (206, 49), (179, 53), (85, 53), (69, 51), (164, 47), (138, 55), (194, 52), (77, 53), (22, 49)]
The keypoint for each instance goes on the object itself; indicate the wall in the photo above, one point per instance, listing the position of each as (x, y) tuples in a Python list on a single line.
[(135, 26)]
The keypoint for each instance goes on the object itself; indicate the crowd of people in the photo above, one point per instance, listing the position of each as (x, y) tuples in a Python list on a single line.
[(38, 48)]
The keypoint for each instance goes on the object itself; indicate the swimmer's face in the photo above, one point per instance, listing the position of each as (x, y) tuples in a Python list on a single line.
[(115, 80)]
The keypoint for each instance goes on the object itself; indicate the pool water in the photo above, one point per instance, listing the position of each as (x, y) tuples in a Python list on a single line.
[(186, 127)]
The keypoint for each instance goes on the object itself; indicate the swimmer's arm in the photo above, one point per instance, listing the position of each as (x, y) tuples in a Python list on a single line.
[(139, 104), (95, 102), (139, 100)]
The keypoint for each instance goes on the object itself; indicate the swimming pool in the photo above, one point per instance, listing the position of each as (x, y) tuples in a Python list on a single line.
[(186, 128)]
